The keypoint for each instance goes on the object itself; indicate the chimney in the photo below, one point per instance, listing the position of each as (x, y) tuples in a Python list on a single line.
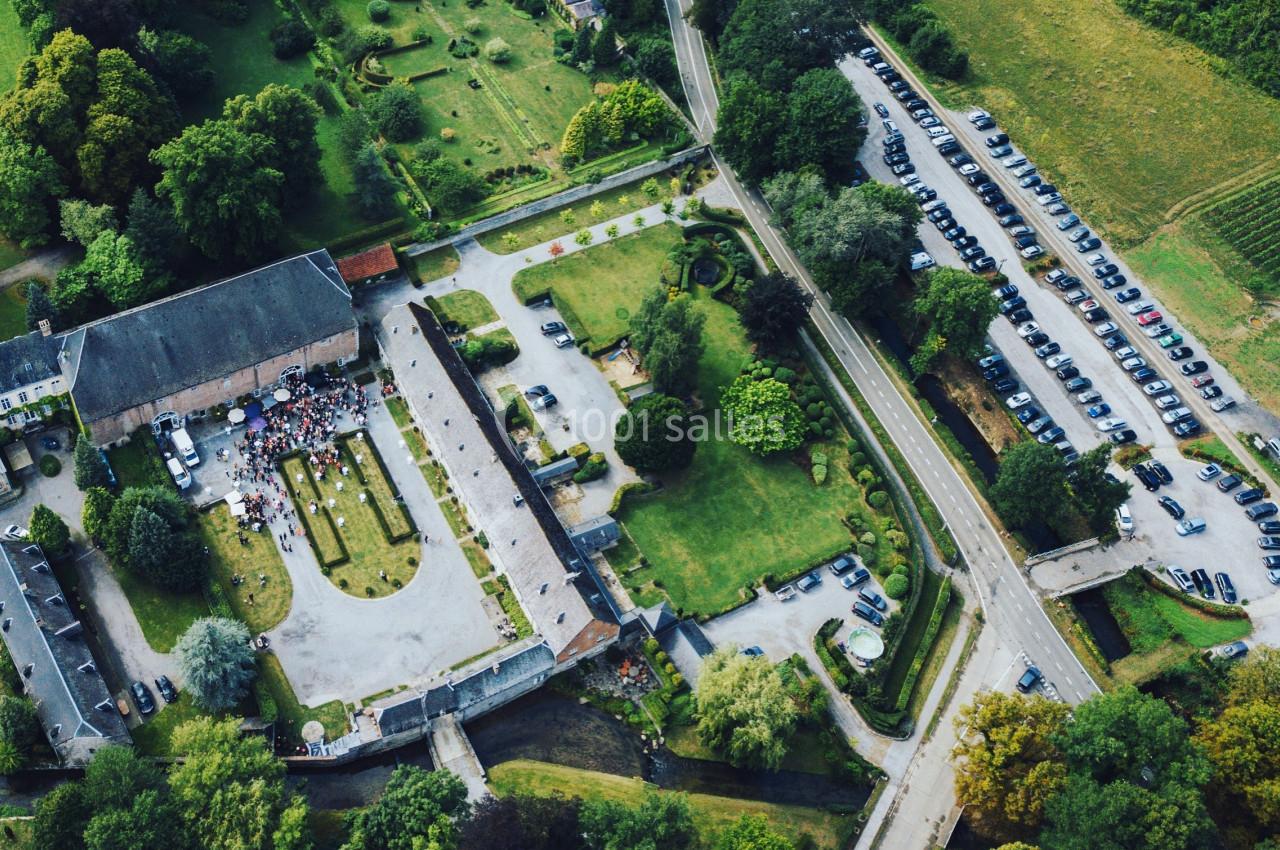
[(46, 329)]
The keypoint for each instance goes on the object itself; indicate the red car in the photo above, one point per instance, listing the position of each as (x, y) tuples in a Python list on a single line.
[(1150, 318), (1202, 381)]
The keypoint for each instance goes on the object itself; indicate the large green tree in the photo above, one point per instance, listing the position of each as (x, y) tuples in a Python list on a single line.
[(751, 832), (776, 41), (659, 822), (744, 711), (398, 113), (375, 187), (90, 468), (773, 310), (19, 724), (169, 553), (1031, 483), (115, 268), (958, 307), (61, 817), (216, 662), (1095, 493), (230, 789), (29, 185), (416, 811), (1007, 763), (288, 118), (762, 415), (48, 530), (224, 196), (83, 222), (98, 502), (41, 306), (822, 127), (667, 334), (653, 434)]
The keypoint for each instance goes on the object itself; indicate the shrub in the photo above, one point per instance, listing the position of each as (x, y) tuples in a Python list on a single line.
[(868, 538), (896, 586), (901, 570), (291, 38), (373, 38), (472, 25), (497, 51), (379, 10), (819, 473), (878, 499), (50, 466), (651, 645)]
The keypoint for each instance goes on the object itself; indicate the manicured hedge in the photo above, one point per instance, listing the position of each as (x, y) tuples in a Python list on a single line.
[(635, 488), (926, 644), (304, 516), (384, 524)]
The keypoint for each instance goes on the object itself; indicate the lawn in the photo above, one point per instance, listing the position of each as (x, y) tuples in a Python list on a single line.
[(731, 517), (598, 289), (369, 552), (1129, 120), (153, 737), (1150, 619), (1197, 278), (710, 813), (13, 311), (227, 557), (137, 463), (436, 264), (548, 225), (14, 47), (1212, 447), (164, 616), (466, 308)]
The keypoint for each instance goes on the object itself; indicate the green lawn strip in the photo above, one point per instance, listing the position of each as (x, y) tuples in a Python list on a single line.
[(604, 285), (710, 813), (936, 655), (13, 311), (546, 226), (293, 715), (1210, 449), (1067, 112), (14, 47), (228, 557), (399, 412), (467, 309), (511, 607), (163, 616), (137, 463), (437, 480), (913, 634), (1198, 279), (322, 535), (1150, 620), (153, 737), (436, 264), (476, 557), (417, 446), (377, 486)]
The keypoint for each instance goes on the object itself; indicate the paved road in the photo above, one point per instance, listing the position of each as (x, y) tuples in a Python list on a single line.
[(1224, 424), (1012, 609)]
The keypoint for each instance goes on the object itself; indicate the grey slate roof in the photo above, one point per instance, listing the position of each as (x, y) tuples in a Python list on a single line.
[(27, 359), (412, 709), (205, 334), (43, 636)]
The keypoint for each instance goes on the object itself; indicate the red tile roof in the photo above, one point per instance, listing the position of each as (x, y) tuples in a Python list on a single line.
[(375, 261)]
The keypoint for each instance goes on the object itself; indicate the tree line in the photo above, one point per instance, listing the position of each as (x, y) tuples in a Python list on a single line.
[(1129, 771)]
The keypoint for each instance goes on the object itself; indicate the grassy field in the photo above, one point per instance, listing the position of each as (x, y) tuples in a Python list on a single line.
[(163, 616), (1150, 619), (14, 46), (436, 264), (1129, 120), (466, 308), (732, 517), (710, 813), (548, 225), (1193, 275), (13, 311), (244, 64), (602, 286), (260, 557)]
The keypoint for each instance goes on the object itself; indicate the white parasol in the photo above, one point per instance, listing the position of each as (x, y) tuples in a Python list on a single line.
[(282, 394), (235, 416)]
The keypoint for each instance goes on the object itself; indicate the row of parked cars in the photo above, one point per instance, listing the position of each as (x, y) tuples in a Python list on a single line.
[(869, 605)]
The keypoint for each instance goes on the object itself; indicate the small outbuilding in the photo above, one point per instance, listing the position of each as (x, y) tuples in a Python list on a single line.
[(594, 534), (372, 266)]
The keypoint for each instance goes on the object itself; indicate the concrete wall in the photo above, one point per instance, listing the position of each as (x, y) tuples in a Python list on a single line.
[(212, 393)]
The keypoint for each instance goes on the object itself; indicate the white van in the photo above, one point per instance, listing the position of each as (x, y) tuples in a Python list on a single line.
[(179, 472), (186, 448), (935, 132)]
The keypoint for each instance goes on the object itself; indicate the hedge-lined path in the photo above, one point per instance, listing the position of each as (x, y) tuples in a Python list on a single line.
[(337, 646)]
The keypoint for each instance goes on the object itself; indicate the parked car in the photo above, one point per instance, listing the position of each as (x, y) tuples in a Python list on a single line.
[(1171, 507), (1208, 472), (1261, 510), (752, 652), (1190, 526), (1201, 579), (14, 533), (1226, 587), (564, 340), (809, 581), (142, 697), (166, 689), (1269, 541), (553, 328), (1248, 497), (1120, 438), (1229, 482), (873, 599), (1027, 682), (864, 611), (1124, 519), (1180, 578)]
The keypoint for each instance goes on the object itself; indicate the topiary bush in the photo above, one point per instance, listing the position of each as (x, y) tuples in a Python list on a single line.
[(50, 466), (379, 10), (896, 586)]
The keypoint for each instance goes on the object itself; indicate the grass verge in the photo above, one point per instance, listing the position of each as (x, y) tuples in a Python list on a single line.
[(163, 616), (228, 557)]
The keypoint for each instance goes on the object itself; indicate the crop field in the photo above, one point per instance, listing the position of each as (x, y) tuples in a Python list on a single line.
[(1248, 223), (1129, 120)]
